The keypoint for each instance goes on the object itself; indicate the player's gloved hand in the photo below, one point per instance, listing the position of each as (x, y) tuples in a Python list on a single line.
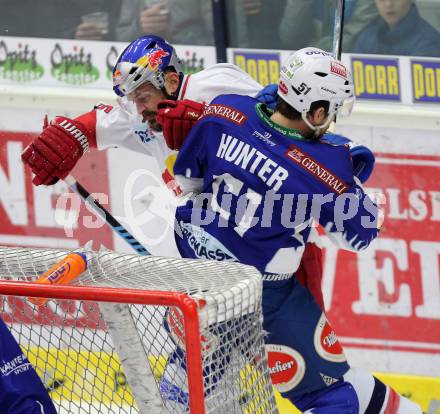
[(362, 157), (177, 118), (268, 95), (54, 153)]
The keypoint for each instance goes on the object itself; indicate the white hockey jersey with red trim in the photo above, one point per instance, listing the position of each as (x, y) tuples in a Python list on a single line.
[(121, 126)]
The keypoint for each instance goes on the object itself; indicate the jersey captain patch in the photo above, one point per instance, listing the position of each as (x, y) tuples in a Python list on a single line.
[(314, 167)]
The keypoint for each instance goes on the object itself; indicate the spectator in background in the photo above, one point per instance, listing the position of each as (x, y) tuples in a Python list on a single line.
[(399, 30), (98, 20), (311, 22), (261, 19), (179, 21), (58, 19)]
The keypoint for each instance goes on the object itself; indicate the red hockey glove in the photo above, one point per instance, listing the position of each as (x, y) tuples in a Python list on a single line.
[(54, 153), (309, 273), (177, 118)]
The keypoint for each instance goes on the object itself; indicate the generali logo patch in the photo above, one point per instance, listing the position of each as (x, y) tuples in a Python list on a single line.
[(223, 111), (286, 367), (326, 342), (314, 167)]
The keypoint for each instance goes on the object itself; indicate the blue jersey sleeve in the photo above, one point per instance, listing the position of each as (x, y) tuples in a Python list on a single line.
[(351, 219), (189, 169), (21, 390)]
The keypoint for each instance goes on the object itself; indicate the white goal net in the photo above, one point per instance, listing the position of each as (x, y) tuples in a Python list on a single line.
[(141, 334)]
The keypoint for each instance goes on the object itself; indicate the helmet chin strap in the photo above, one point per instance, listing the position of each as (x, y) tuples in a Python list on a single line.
[(317, 129)]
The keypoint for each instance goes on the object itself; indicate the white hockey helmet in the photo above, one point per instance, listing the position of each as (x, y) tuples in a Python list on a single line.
[(311, 75)]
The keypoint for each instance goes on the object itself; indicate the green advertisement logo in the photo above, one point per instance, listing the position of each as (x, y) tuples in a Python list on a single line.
[(192, 63), (112, 57), (73, 68), (19, 65)]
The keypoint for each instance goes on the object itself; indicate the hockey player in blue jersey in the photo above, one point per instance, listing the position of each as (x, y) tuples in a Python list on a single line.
[(21, 390), (256, 182)]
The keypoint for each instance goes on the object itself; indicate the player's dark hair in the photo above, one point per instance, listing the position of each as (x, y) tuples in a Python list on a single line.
[(289, 112)]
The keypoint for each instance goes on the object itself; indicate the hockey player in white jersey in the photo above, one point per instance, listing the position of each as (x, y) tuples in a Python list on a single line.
[(147, 72)]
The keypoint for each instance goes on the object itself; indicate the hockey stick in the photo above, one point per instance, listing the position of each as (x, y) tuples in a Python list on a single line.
[(338, 29), (106, 215), (120, 323)]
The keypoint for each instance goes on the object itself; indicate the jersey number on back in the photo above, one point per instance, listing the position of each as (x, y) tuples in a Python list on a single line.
[(247, 203)]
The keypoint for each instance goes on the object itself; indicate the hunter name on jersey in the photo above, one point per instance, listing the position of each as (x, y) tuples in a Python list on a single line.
[(233, 150)]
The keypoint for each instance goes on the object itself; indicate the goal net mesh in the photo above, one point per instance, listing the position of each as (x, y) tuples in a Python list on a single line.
[(76, 345)]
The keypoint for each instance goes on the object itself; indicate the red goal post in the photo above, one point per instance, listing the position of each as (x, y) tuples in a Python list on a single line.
[(147, 308)]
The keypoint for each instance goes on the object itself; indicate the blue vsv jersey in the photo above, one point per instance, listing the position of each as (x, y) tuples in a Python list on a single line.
[(254, 189), (21, 390)]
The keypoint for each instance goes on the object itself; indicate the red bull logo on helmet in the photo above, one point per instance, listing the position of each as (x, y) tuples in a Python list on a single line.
[(153, 60)]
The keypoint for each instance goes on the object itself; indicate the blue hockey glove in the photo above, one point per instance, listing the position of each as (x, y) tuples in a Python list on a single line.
[(268, 95), (362, 157)]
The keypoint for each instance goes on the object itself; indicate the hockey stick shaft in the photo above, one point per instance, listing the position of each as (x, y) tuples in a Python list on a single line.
[(106, 215), (338, 28)]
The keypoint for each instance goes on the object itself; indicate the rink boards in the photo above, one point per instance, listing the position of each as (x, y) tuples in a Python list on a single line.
[(109, 382)]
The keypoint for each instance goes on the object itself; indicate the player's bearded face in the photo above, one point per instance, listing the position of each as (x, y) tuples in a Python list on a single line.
[(146, 99)]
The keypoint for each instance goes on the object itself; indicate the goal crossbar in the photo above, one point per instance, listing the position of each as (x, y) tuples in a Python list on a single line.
[(139, 334), (187, 305)]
